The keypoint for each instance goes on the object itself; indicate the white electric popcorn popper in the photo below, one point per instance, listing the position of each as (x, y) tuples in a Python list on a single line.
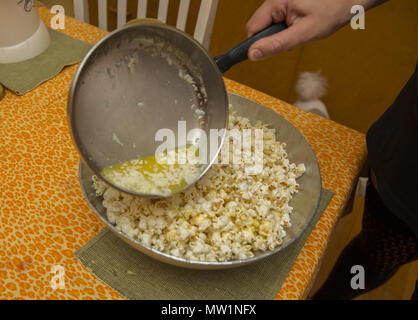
[(23, 35)]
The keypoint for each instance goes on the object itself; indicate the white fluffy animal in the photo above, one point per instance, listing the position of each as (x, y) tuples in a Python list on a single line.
[(310, 87)]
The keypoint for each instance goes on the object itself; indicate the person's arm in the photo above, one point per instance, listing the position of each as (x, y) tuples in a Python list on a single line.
[(307, 20)]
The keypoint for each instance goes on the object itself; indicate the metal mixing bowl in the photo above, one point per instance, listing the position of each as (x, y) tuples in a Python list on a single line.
[(304, 203)]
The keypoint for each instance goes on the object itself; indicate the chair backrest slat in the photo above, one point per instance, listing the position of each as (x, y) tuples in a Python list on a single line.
[(103, 14), (81, 10), (142, 9), (163, 11), (204, 24), (205, 21), (183, 14), (121, 12)]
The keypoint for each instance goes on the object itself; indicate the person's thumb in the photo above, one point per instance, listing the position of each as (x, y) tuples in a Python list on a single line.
[(297, 34)]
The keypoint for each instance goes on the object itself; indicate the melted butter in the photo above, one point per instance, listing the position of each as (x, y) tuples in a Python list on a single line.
[(155, 174)]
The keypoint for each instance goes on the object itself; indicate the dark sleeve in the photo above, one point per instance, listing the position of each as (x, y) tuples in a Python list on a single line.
[(392, 143)]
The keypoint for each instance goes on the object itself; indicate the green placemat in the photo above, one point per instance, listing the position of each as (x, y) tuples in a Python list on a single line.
[(137, 276), (21, 77)]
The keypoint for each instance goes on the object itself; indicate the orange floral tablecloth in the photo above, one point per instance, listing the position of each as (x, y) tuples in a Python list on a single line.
[(44, 217)]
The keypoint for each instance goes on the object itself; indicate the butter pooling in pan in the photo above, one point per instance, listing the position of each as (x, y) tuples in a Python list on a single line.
[(158, 174)]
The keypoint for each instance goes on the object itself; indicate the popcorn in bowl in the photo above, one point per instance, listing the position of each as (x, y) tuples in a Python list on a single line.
[(227, 215)]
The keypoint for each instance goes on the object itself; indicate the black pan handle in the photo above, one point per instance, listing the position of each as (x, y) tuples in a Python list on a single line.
[(239, 53)]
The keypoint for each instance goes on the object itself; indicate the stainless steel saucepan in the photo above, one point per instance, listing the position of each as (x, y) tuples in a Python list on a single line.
[(141, 78)]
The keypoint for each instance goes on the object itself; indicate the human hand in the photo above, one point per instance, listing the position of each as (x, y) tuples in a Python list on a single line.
[(307, 21)]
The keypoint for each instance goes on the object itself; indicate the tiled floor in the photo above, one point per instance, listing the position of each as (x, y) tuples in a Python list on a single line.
[(399, 287)]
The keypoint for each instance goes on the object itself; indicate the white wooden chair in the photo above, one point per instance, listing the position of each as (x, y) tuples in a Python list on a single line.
[(204, 24)]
